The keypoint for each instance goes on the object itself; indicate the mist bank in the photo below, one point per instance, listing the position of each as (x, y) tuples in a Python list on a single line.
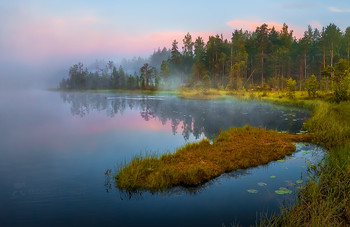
[(265, 59)]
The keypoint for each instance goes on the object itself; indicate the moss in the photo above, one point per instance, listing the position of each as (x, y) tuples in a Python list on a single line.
[(197, 163)]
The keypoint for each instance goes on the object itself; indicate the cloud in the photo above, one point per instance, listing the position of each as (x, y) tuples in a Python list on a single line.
[(251, 25), (299, 5), (337, 10), (36, 39)]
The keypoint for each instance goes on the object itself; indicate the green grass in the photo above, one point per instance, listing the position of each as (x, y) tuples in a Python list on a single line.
[(197, 163), (325, 201), (188, 93), (330, 123)]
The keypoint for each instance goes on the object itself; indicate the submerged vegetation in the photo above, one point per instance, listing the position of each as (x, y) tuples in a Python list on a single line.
[(197, 163)]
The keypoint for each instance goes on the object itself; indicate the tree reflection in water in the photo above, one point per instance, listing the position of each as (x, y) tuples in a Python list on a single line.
[(196, 117)]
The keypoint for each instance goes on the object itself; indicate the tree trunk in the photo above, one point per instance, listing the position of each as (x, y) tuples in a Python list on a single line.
[(146, 78), (300, 70), (262, 68), (324, 58), (332, 55), (305, 64), (231, 56)]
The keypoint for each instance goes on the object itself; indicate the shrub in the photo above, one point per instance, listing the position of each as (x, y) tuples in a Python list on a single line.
[(291, 88), (312, 86)]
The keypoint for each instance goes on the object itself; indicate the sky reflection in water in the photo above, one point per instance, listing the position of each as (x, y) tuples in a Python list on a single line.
[(55, 148)]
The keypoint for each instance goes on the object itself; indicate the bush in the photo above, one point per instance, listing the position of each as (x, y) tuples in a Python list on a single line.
[(340, 79), (312, 86), (291, 88)]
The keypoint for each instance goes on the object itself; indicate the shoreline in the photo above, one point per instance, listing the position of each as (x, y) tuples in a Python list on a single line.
[(319, 203)]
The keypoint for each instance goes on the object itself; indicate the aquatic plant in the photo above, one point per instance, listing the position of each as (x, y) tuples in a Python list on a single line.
[(262, 184), (282, 191), (324, 200), (252, 191)]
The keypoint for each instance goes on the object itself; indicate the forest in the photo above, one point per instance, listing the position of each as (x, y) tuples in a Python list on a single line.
[(263, 59)]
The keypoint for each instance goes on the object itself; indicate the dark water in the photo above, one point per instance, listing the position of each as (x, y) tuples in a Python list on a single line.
[(55, 148)]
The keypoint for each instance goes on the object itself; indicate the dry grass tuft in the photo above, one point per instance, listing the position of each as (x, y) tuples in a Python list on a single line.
[(196, 163)]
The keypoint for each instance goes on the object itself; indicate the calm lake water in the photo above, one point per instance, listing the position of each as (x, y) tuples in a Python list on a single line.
[(55, 148)]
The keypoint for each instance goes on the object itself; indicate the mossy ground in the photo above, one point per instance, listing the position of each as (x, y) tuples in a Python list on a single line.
[(196, 163)]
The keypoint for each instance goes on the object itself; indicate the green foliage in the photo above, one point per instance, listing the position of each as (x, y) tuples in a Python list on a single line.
[(312, 86), (164, 71), (263, 56), (341, 79), (206, 82), (291, 87)]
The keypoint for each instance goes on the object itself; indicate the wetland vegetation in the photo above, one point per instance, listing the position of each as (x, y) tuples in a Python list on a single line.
[(312, 72), (197, 163)]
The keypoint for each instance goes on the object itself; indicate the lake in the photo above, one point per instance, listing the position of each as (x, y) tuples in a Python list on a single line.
[(55, 148)]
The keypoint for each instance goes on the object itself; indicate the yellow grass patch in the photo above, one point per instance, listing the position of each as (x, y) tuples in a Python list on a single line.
[(196, 163)]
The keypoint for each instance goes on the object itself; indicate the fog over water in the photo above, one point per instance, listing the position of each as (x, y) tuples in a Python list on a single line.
[(56, 147)]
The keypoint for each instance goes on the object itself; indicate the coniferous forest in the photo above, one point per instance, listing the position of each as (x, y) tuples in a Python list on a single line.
[(263, 59)]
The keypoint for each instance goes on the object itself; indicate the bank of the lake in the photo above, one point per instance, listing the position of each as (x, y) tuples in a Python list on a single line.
[(325, 200)]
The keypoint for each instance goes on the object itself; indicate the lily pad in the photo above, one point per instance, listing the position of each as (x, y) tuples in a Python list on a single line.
[(308, 163), (285, 167), (262, 184), (299, 181), (303, 167), (282, 191), (252, 191), (281, 160), (272, 177), (306, 152)]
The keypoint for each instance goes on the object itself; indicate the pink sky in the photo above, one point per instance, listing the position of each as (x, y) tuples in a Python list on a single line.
[(35, 39), (37, 31), (251, 25)]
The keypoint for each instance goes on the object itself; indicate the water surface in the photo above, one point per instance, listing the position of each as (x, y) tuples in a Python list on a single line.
[(55, 148)]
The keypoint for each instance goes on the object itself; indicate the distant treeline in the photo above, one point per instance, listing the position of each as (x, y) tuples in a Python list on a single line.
[(262, 59)]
